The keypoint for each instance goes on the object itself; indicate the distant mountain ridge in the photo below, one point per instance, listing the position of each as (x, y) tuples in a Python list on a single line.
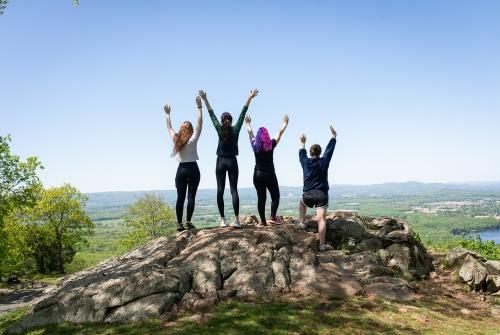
[(122, 198)]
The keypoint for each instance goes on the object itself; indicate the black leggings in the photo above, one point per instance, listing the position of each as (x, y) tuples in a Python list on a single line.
[(263, 180), (229, 165), (187, 177)]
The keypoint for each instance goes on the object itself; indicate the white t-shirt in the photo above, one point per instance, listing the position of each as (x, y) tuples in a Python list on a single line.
[(190, 151)]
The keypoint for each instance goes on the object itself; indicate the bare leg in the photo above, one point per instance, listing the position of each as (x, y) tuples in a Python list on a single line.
[(302, 211), (321, 216)]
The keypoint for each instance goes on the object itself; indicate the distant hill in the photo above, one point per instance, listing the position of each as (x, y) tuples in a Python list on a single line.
[(102, 200), (413, 187)]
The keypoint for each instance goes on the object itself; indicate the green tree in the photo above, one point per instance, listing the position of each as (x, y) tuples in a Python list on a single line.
[(18, 180), (19, 186), (58, 227), (16, 259), (148, 218), (3, 4)]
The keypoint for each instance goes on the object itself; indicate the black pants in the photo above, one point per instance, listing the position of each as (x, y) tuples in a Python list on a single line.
[(187, 178), (263, 181), (227, 165)]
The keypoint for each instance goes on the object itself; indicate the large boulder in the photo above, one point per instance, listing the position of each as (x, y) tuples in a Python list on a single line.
[(493, 267), (398, 246), (197, 268), (458, 254), (474, 273), (477, 272)]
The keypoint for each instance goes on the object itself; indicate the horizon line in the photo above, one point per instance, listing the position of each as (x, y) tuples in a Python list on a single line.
[(469, 183)]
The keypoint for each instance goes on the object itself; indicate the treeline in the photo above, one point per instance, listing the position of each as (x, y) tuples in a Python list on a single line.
[(40, 228)]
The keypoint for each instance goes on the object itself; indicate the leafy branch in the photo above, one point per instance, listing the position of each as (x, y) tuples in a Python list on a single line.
[(3, 4)]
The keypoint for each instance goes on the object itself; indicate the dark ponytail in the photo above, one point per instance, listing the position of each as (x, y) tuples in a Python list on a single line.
[(227, 129)]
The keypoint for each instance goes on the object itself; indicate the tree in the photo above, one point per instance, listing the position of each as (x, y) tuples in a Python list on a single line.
[(149, 217), (58, 226), (19, 186), (18, 180), (16, 259), (3, 4)]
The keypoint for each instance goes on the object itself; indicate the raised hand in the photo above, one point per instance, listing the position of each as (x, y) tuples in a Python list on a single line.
[(166, 108), (285, 119), (203, 94), (248, 119), (198, 101), (303, 139), (334, 133), (253, 94)]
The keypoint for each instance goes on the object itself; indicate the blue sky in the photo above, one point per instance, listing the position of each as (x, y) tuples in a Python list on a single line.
[(412, 87)]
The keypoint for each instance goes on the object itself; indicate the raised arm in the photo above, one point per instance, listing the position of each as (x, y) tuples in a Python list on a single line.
[(215, 122), (171, 131), (200, 114), (239, 123), (282, 129), (327, 156), (248, 121), (302, 151), (253, 94)]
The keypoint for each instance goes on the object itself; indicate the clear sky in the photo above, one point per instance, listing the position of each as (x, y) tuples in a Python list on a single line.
[(412, 87)]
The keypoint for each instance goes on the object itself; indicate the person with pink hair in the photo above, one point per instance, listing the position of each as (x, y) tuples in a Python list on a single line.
[(264, 176)]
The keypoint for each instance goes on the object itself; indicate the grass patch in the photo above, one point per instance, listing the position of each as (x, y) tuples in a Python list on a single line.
[(358, 315), (48, 279), (8, 318)]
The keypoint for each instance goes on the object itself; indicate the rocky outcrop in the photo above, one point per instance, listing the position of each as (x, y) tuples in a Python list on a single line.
[(457, 256), (473, 273), (196, 269), (478, 273)]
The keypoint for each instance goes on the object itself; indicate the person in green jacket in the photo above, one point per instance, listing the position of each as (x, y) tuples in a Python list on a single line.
[(227, 150)]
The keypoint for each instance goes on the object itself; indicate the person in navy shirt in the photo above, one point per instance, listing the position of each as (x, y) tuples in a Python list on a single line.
[(315, 191)]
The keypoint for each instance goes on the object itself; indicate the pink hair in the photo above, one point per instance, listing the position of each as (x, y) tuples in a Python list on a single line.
[(262, 141)]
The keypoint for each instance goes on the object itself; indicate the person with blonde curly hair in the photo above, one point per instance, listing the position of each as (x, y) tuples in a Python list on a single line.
[(187, 178)]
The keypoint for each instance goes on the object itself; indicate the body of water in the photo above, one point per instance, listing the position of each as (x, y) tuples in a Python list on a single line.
[(490, 235)]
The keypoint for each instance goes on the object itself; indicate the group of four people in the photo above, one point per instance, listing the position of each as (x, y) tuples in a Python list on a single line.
[(187, 179)]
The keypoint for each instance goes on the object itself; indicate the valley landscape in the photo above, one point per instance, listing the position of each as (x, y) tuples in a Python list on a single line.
[(444, 216), (440, 213)]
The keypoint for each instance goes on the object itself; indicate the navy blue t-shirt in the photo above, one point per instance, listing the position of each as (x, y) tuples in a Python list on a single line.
[(315, 170)]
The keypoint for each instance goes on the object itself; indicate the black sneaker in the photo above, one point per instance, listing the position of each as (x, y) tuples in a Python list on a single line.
[(180, 227), (189, 225)]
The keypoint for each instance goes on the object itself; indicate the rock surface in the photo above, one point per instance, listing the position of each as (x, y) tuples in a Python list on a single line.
[(473, 273), (196, 269), (458, 254), (478, 273)]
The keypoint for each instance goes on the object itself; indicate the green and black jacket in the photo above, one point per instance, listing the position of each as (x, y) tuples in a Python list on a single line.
[(230, 147)]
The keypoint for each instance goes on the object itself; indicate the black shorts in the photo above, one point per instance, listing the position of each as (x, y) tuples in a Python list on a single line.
[(315, 198)]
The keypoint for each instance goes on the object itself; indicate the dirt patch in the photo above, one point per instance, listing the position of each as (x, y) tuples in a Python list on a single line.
[(20, 298)]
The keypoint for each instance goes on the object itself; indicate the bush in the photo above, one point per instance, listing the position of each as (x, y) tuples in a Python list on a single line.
[(487, 249)]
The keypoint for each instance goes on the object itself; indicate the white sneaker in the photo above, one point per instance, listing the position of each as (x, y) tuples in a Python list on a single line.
[(223, 223), (302, 225), (237, 223)]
